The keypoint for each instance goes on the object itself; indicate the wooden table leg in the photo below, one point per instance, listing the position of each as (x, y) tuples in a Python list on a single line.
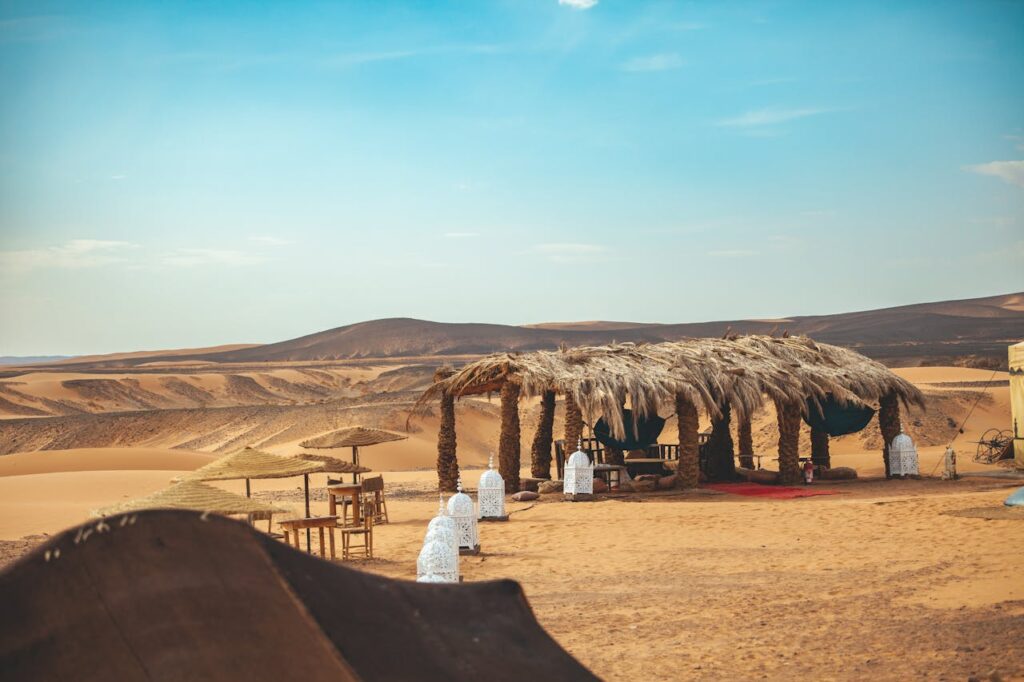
[(322, 553), (357, 516), (331, 531), (332, 504), (286, 540), (295, 534)]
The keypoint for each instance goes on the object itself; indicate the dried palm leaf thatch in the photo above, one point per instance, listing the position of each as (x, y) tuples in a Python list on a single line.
[(352, 436), (252, 463), (194, 496), (706, 372), (333, 465)]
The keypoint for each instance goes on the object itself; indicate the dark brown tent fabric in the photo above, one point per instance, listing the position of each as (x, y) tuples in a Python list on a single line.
[(173, 595)]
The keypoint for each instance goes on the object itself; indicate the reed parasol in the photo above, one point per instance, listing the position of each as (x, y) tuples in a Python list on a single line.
[(353, 437), (193, 496)]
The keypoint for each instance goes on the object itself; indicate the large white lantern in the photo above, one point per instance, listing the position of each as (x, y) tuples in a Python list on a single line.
[(579, 474), (436, 559), (902, 456), (491, 495), (463, 512)]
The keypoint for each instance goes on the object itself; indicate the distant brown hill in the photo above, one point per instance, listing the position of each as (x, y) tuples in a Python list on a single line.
[(973, 332)]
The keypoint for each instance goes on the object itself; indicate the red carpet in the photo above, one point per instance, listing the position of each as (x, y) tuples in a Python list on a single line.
[(774, 492)]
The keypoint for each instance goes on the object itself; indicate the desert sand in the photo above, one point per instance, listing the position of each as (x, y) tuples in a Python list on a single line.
[(881, 580)]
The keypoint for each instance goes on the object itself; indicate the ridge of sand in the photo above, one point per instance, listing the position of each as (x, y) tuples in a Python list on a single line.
[(102, 459)]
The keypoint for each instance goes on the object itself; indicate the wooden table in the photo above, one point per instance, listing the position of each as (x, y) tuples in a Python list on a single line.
[(343, 490), (318, 522), (646, 465)]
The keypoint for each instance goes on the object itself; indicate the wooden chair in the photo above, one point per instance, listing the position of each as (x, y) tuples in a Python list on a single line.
[(375, 487), (365, 531)]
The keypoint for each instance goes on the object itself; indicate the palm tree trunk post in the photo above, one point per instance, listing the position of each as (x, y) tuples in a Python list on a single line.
[(689, 448), (789, 442), (447, 462), (889, 424), (573, 425), (819, 448), (508, 444), (745, 435), (720, 447), (540, 453)]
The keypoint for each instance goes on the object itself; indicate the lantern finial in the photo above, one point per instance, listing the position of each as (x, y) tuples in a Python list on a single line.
[(490, 461), (458, 483)]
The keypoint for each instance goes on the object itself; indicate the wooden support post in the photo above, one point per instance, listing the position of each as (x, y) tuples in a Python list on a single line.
[(721, 466), (508, 444), (447, 461), (789, 442), (689, 448), (573, 424), (819, 448), (745, 436), (540, 453), (309, 538), (889, 424)]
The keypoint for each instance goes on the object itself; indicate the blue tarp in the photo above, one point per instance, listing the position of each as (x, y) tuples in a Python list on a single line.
[(1016, 499)]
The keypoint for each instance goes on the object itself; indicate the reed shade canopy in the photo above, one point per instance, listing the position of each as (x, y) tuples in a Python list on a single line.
[(250, 463), (333, 465), (354, 437), (192, 496), (734, 375)]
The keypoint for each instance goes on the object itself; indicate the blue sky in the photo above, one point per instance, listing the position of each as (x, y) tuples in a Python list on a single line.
[(182, 174)]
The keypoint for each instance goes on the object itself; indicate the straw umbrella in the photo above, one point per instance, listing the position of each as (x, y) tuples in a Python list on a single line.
[(194, 496), (353, 437), (251, 463)]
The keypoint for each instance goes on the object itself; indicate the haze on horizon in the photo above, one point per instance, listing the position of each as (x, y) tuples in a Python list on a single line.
[(180, 175)]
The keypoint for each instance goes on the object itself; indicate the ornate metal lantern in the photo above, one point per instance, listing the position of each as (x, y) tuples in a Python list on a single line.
[(902, 456), (436, 558), (442, 520), (579, 474), (431, 578), (463, 512), (491, 494)]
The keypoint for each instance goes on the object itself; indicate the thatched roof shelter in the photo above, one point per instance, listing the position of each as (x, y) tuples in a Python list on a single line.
[(192, 496), (719, 376), (708, 372), (352, 436)]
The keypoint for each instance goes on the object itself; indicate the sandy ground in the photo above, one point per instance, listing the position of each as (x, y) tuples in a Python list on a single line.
[(878, 581)]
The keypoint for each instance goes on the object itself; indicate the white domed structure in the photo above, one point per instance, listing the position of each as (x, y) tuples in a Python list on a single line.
[(442, 520), (436, 559), (491, 493), (463, 512), (903, 456), (579, 474)]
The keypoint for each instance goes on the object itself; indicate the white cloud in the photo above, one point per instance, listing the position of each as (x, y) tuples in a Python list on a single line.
[(578, 4), (656, 62), (270, 241), (1007, 171), (77, 253), (770, 116), (461, 235), (732, 253), (358, 58), (571, 252), (188, 258)]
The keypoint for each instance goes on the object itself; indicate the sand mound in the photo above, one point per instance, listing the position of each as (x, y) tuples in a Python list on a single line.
[(102, 459)]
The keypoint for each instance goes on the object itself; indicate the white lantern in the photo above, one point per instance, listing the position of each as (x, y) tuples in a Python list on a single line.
[(579, 474), (442, 520), (491, 494), (447, 537), (902, 456), (463, 512), (430, 578), (436, 559)]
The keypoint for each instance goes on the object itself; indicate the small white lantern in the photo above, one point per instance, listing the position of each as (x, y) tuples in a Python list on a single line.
[(491, 494), (902, 456), (436, 559), (442, 520), (430, 578), (579, 474), (463, 512)]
